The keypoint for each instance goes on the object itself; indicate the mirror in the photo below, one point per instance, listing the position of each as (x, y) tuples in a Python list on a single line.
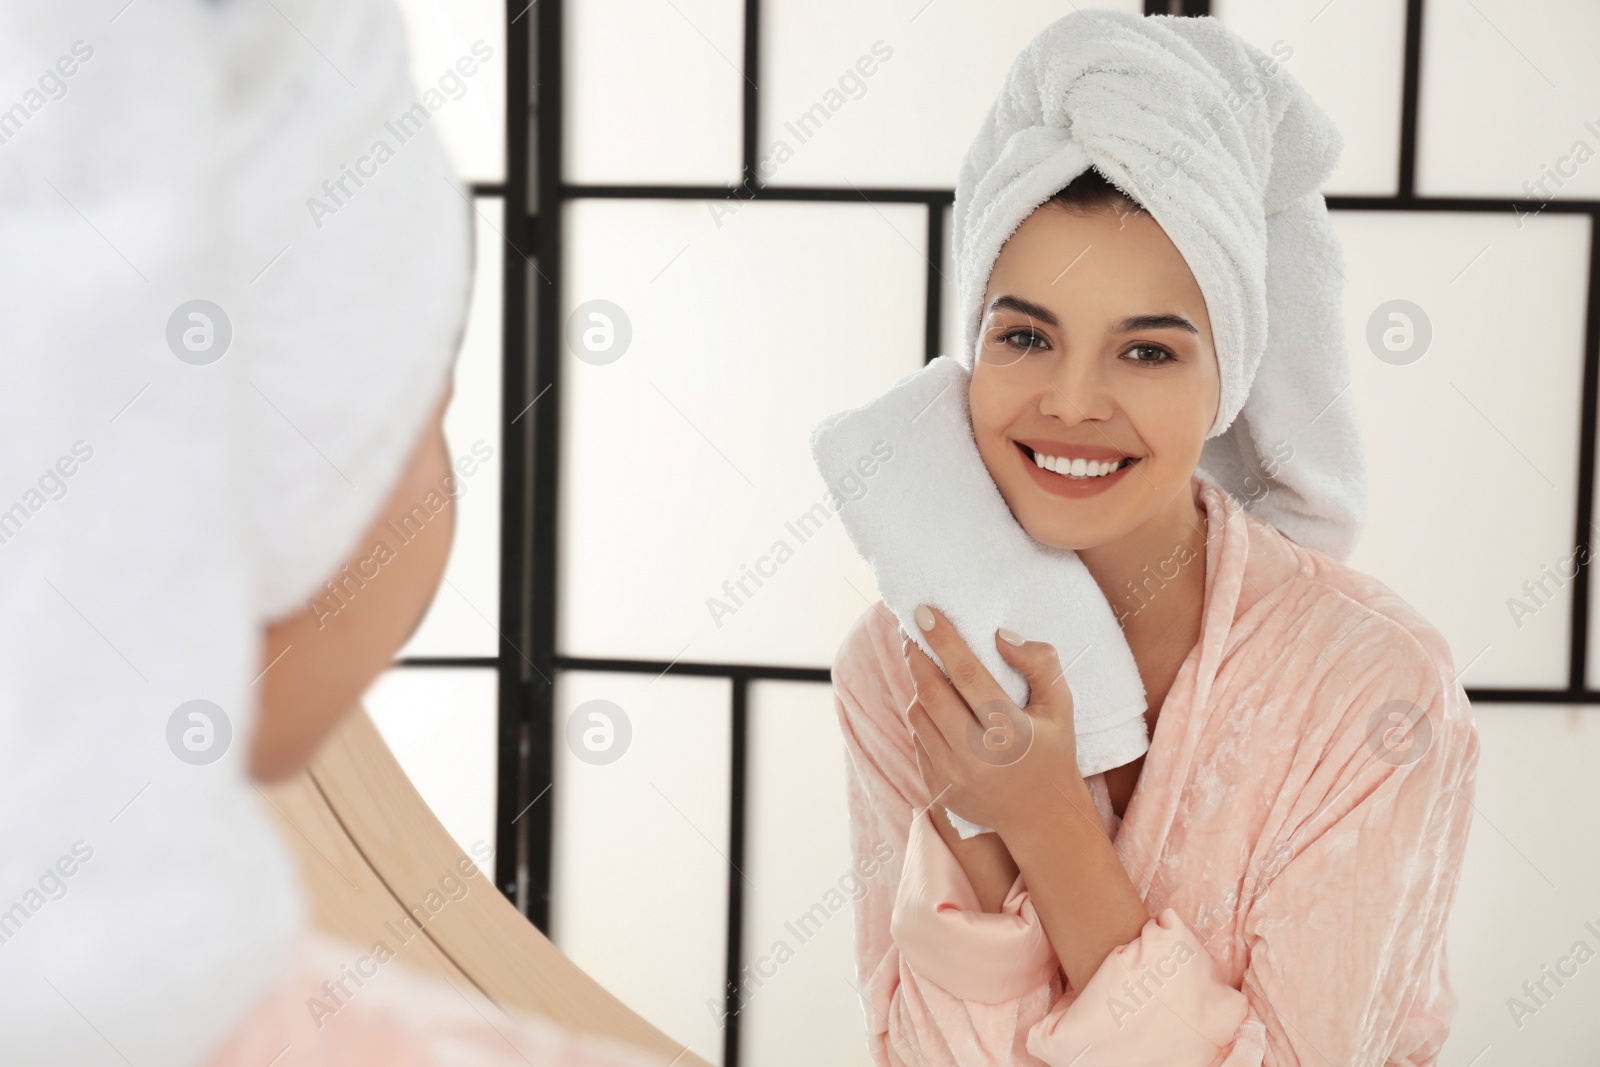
[(672, 655)]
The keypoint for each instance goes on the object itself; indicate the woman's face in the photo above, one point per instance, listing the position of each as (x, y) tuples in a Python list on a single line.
[(1095, 349)]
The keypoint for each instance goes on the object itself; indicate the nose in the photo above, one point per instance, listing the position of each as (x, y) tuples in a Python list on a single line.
[(1077, 391)]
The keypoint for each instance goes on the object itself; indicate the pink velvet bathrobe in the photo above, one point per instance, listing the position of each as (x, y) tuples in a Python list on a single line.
[(1296, 842)]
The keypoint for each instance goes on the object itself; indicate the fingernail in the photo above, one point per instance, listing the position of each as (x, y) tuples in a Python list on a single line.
[(924, 617), (1009, 636)]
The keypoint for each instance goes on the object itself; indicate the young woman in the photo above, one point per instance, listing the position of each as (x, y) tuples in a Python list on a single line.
[(1269, 884), (406, 1020)]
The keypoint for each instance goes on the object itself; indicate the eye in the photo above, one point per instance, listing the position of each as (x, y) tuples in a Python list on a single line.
[(1158, 357), (1023, 338)]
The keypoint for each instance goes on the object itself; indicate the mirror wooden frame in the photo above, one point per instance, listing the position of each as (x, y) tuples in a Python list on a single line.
[(367, 843)]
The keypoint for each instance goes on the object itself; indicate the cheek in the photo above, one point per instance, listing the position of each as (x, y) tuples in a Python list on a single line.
[(993, 412), (1173, 417), (995, 400), (986, 406)]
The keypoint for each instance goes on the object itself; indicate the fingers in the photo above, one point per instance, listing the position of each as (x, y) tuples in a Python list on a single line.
[(944, 709), (933, 751), (1040, 665), (966, 673)]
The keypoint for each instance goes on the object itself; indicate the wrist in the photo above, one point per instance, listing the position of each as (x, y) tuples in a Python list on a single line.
[(983, 858), (1065, 813)]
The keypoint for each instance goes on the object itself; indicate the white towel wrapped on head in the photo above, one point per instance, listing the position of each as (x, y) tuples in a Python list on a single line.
[(147, 896)]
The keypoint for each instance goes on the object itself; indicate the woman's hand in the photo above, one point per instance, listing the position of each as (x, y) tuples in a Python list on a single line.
[(980, 755)]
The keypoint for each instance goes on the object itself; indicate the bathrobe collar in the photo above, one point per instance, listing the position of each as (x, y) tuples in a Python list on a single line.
[(1150, 812)]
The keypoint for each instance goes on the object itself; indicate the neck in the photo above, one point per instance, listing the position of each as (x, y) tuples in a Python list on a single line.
[(1155, 576)]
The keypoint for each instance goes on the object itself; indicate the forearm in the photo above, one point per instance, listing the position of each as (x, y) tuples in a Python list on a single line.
[(984, 858), (1084, 899)]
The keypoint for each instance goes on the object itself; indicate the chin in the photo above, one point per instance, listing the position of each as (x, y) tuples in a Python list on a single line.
[(1077, 534)]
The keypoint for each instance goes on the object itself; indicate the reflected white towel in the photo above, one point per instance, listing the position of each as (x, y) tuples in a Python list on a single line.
[(921, 508), (155, 512)]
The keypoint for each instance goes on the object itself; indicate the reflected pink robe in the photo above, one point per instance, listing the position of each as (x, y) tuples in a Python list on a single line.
[(1299, 860), (337, 1007)]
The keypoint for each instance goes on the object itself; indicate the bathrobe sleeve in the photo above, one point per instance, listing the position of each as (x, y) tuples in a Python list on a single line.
[(1343, 948), (1005, 974)]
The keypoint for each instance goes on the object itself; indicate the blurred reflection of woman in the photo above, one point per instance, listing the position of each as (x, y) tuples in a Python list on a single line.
[(213, 398)]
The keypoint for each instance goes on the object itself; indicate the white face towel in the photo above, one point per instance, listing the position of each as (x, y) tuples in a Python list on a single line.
[(1227, 152), (920, 506), (170, 483)]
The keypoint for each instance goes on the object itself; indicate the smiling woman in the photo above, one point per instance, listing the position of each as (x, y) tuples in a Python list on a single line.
[(1306, 793)]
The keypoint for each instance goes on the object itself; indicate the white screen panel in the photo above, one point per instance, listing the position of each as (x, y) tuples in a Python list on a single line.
[(654, 92), (465, 613), (440, 722), (1507, 99), (936, 70), (1350, 56), (687, 460), (799, 1004), (458, 48), (1472, 448), (1527, 896), (639, 897)]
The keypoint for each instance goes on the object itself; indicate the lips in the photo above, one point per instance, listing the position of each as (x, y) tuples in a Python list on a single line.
[(1067, 450), (1077, 461), (1074, 471)]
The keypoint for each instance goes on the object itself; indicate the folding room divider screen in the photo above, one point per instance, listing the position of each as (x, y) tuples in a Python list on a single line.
[(630, 131)]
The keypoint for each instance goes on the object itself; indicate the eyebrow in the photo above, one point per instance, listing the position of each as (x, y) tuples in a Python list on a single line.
[(1130, 324)]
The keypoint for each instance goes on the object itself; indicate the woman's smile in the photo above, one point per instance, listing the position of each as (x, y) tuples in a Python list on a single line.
[(1075, 471)]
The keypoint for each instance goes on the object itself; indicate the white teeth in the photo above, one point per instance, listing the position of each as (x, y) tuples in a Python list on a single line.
[(1077, 468)]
